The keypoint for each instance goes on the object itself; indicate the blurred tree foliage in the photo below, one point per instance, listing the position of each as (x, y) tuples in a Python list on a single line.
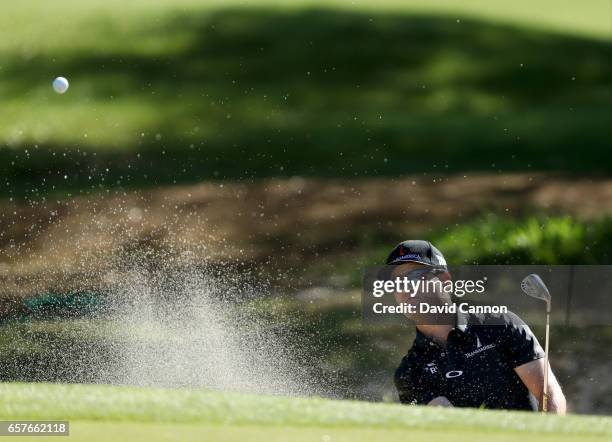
[(532, 240)]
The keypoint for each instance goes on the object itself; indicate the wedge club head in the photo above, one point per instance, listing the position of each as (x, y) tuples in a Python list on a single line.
[(533, 286)]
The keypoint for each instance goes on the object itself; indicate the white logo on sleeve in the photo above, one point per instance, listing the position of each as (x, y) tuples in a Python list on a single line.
[(453, 374)]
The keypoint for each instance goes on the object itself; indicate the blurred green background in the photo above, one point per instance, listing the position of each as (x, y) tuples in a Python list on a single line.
[(303, 138), (165, 92)]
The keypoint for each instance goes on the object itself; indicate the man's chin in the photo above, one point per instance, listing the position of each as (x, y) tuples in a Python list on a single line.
[(433, 318)]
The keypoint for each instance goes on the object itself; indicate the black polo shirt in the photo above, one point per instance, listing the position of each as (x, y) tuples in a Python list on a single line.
[(476, 369)]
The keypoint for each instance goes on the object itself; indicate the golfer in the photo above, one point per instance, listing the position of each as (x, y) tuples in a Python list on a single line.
[(482, 361)]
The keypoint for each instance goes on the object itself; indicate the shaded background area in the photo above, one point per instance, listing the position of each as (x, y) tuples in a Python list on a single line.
[(255, 92), (294, 142)]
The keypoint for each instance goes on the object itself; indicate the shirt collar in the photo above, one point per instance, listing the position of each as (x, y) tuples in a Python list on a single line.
[(461, 324), (462, 321)]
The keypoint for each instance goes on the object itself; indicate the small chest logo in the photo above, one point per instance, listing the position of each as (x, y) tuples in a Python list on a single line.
[(479, 349), (453, 374)]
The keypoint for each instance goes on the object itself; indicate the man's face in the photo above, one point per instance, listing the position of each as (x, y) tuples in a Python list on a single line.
[(417, 271), (413, 271)]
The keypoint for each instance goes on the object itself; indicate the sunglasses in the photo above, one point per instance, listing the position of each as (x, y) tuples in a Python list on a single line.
[(421, 273)]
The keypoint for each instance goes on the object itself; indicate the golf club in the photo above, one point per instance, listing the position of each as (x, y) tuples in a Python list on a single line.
[(533, 286)]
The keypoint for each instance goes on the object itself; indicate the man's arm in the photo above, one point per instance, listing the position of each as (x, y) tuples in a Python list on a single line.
[(532, 375), (411, 390), (527, 357)]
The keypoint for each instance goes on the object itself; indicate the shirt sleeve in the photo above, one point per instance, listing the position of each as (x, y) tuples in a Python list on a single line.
[(521, 345), (409, 391)]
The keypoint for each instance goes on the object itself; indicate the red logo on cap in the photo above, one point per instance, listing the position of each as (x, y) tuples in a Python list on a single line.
[(401, 251)]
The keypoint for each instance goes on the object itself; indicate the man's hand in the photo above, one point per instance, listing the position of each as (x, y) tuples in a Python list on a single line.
[(532, 375), (440, 401)]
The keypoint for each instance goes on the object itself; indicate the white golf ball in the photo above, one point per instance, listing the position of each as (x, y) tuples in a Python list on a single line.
[(60, 85)]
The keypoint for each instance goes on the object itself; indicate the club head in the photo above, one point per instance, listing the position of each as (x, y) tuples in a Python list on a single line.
[(533, 286)]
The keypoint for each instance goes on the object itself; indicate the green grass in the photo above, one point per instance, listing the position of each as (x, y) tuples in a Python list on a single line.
[(96, 412), (173, 91)]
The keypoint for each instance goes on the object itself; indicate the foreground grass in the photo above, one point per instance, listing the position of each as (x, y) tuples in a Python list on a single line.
[(165, 91), (96, 412), (165, 432)]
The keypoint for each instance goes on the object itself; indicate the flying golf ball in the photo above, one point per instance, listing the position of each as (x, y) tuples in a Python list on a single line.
[(60, 85)]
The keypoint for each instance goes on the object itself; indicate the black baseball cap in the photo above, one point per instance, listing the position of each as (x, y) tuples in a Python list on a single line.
[(413, 250)]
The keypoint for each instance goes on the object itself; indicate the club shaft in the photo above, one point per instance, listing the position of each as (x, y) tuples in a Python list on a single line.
[(546, 341)]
